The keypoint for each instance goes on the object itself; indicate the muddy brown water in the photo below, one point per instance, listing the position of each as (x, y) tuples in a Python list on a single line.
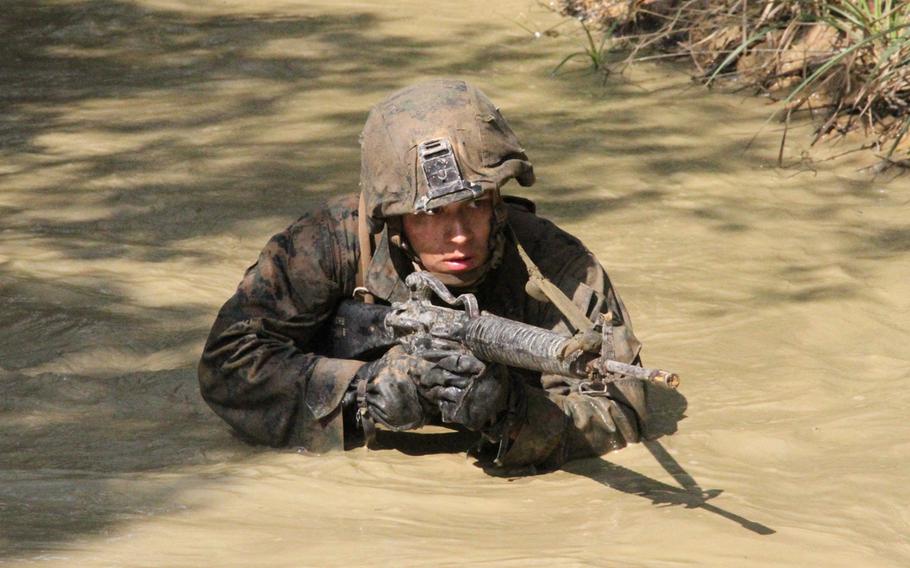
[(149, 148)]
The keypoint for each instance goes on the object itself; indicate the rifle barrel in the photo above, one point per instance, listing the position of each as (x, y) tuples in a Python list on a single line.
[(516, 344)]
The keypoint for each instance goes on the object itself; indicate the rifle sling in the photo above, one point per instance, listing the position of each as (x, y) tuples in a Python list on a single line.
[(366, 253), (569, 310)]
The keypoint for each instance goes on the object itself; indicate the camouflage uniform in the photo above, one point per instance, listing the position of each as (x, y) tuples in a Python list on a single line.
[(262, 370)]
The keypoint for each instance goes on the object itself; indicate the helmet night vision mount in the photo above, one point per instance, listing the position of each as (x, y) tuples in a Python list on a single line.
[(444, 182)]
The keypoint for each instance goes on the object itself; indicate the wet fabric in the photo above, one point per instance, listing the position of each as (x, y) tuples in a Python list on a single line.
[(263, 369), (263, 373)]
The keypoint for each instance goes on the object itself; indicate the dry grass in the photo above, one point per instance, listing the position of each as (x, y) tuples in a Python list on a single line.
[(845, 62)]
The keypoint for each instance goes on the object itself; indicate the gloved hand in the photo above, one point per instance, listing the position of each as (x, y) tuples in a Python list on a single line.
[(466, 390), (387, 389)]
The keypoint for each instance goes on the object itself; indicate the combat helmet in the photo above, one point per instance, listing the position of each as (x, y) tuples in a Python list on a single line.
[(432, 144)]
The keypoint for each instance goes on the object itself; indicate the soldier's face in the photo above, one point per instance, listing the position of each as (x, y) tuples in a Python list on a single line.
[(454, 239)]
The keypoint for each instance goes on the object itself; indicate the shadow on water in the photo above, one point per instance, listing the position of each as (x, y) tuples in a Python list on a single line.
[(80, 454), (67, 318), (54, 422), (689, 494), (63, 436), (57, 56)]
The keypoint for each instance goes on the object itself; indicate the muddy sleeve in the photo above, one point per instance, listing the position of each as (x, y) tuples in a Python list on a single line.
[(561, 424), (258, 370)]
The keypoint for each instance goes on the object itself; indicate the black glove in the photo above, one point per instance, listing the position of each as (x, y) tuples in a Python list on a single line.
[(386, 390), (466, 390)]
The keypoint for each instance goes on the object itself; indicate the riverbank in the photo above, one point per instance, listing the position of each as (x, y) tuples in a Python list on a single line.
[(844, 64)]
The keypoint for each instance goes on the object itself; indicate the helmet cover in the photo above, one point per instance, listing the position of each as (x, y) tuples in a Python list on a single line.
[(444, 112)]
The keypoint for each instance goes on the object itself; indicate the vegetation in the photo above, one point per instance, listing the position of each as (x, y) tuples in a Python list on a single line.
[(844, 62), (596, 52)]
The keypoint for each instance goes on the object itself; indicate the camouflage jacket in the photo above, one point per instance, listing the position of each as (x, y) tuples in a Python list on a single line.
[(262, 373)]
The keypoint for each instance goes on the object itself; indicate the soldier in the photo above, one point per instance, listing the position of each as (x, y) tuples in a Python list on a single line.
[(433, 159)]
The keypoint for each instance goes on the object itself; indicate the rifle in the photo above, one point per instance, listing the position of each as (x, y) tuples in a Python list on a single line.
[(362, 330)]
